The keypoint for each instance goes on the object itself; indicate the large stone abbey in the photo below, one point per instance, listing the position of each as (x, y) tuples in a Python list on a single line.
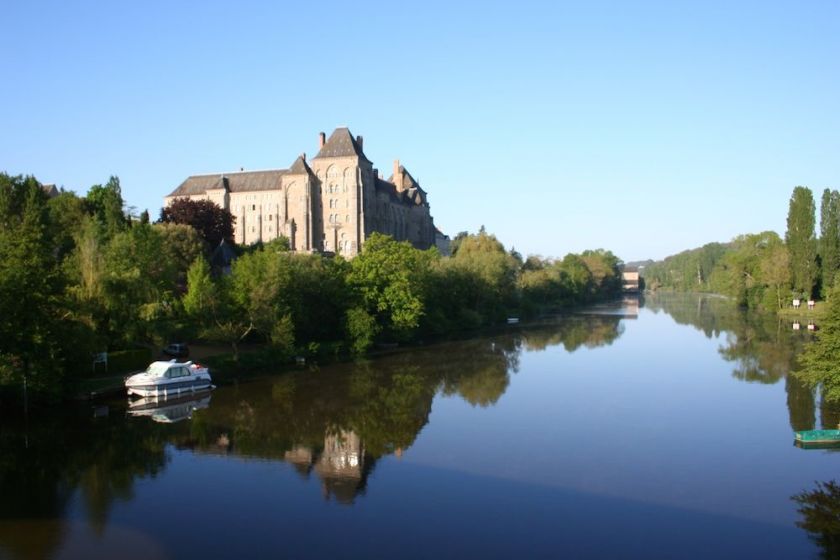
[(330, 203)]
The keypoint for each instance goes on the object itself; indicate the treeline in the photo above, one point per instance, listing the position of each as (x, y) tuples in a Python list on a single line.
[(763, 270), (79, 276)]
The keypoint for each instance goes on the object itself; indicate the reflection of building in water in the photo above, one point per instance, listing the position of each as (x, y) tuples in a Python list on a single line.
[(630, 306), (630, 279), (342, 466)]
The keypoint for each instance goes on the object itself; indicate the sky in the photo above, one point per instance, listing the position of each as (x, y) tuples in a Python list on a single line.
[(645, 128)]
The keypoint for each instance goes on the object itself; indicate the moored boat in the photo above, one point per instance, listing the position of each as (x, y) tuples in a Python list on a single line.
[(169, 379), (818, 437)]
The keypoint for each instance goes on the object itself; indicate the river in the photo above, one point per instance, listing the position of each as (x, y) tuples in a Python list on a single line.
[(660, 430)]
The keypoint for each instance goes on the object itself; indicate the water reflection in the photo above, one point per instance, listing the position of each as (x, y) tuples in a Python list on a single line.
[(333, 423), (820, 516), (44, 464), (168, 410), (762, 347)]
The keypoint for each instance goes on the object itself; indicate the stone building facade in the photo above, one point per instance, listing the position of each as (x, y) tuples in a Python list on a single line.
[(330, 203)]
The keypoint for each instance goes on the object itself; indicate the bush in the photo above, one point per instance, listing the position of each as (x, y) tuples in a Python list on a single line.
[(125, 361), (361, 330)]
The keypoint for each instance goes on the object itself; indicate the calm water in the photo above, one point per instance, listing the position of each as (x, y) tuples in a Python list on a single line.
[(660, 432)]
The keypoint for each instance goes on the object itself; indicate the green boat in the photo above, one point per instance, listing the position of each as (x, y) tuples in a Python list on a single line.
[(818, 437)]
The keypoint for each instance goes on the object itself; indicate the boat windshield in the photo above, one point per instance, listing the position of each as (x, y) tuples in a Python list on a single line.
[(157, 369)]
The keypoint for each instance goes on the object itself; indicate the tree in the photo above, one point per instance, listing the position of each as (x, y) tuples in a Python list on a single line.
[(211, 221), (390, 279), (492, 271), (181, 245), (829, 237), (455, 244), (819, 359), (67, 214), (801, 241), (775, 273), (139, 284), (39, 337), (106, 204), (606, 275)]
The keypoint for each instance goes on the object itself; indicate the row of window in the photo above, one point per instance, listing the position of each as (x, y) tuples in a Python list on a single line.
[(336, 218)]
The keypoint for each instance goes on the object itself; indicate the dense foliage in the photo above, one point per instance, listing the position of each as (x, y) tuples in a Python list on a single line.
[(819, 362), (212, 222), (801, 241), (762, 270), (79, 276)]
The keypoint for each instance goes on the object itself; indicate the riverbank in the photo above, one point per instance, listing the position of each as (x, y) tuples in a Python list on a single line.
[(256, 360)]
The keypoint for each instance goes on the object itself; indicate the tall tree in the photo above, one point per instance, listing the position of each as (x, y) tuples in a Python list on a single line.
[(801, 241), (38, 335), (212, 222), (106, 203), (829, 237)]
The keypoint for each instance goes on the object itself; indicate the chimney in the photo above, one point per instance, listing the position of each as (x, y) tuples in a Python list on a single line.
[(360, 141), (322, 139), (397, 178), (303, 156)]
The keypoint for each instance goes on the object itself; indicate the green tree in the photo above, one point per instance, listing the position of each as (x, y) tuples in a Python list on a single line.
[(139, 284), (181, 245), (818, 362), (105, 202), (492, 271), (390, 278), (801, 241), (829, 237), (67, 215), (40, 340)]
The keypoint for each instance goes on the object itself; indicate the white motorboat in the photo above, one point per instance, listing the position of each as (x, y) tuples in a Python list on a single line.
[(164, 379)]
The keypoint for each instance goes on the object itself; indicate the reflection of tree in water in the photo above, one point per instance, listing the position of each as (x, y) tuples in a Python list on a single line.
[(800, 402), (479, 370), (762, 346), (573, 332), (820, 511), (334, 423), (44, 463)]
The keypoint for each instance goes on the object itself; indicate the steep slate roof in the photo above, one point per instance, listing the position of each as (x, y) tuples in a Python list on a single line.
[(388, 188), (300, 167), (50, 190), (240, 181), (412, 188), (341, 144)]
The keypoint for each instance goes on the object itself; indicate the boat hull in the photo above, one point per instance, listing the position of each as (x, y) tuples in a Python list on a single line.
[(179, 387), (818, 437)]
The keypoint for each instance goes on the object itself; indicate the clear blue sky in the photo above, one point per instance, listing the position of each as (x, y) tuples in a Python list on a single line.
[(641, 127)]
